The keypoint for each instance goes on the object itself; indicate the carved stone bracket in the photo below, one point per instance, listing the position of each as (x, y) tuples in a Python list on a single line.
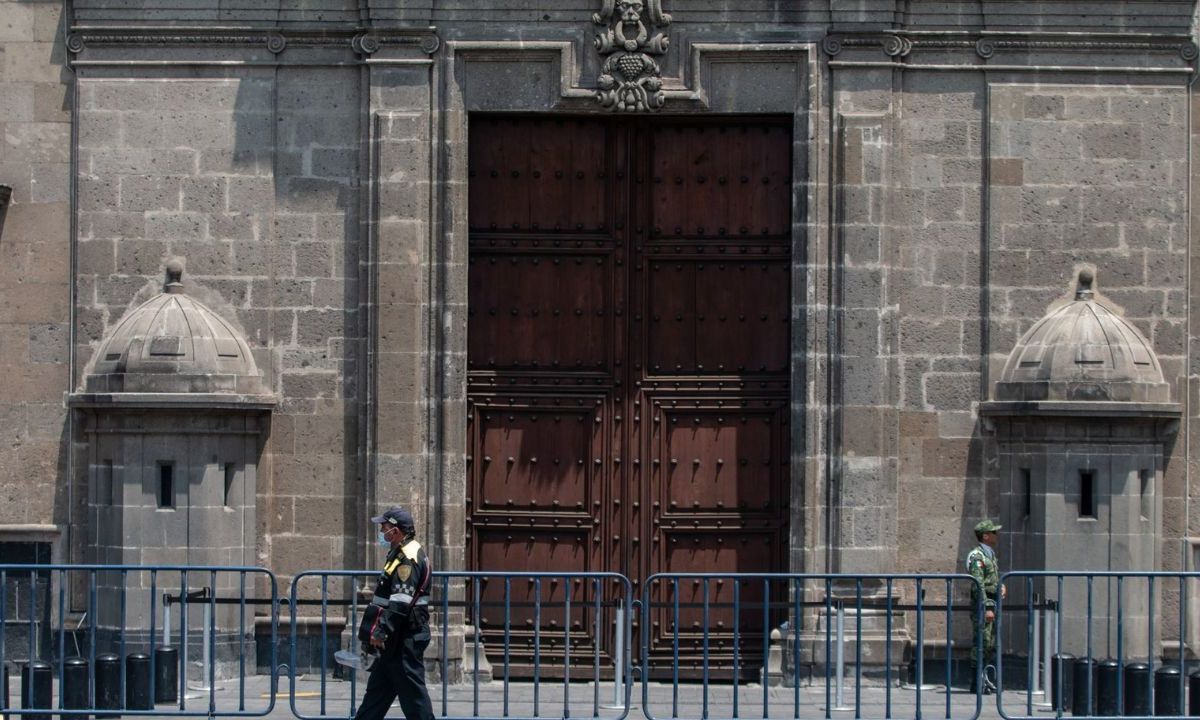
[(630, 79), (892, 45)]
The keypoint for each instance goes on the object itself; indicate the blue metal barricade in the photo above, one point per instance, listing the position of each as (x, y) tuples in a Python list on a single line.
[(1116, 615), (559, 644), (115, 609), (762, 639)]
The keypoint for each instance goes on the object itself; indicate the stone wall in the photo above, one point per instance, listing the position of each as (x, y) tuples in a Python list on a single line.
[(252, 179), (35, 275), (310, 169)]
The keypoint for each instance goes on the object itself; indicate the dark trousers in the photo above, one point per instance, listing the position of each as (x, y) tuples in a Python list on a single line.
[(401, 672)]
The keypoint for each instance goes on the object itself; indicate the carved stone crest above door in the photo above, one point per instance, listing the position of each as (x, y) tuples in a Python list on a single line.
[(630, 79)]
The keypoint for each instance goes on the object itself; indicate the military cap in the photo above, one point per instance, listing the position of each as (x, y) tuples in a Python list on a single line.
[(986, 526)]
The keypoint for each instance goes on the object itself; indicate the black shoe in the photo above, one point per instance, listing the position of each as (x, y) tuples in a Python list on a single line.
[(989, 687)]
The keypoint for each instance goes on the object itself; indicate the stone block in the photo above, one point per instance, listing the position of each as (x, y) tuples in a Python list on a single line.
[(1007, 171), (18, 22), (205, 258), (177, 227), (399, 427), (250, 194), (863, 287), (40, 62), (234, 292), (282, 292), (1112, 141), (321, 433), (865, 381), (50, 183), (234, 226), (203, 194), (42, 224), (19, 102), (406, 373), (148, 193), (313, 259), (317, 327), (37, 142), (310, 384), (48, 343)]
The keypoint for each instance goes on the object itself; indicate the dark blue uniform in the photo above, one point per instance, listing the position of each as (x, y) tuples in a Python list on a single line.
[(399, 615)]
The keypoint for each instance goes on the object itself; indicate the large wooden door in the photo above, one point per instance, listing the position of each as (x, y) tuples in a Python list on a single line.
[(628, 365)]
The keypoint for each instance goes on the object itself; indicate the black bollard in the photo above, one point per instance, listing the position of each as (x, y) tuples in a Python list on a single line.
[(1108, 672), (1168, 691), (166, 675), (1137, 690), (75, 685), (108, 684), (4, 694), (1062, 666), (1194, 693), (137, 682), (1082, 695), (42, 680)]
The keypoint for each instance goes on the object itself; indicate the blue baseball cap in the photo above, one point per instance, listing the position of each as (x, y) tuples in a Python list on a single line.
[(397, 516)]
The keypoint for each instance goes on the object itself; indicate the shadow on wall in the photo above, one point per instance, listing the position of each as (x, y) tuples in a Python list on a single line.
[(5, 197), (297, 150)]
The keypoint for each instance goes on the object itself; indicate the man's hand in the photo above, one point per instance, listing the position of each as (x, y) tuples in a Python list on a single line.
[(1003, 592), (376, 642), (988, 616)]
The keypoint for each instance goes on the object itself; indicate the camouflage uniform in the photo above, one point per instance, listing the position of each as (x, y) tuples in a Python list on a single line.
[(982, 565)]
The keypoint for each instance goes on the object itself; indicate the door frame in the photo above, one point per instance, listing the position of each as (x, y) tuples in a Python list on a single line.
[(544, 77)]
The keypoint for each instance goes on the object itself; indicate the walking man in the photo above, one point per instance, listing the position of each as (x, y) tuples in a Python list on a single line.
[(982, 565), (395, 626)]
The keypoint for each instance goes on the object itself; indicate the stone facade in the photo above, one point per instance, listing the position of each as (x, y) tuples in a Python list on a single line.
[(955, 164)]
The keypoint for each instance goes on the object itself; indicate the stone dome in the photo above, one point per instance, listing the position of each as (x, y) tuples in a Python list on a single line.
[(1083, 352), (174, 344)]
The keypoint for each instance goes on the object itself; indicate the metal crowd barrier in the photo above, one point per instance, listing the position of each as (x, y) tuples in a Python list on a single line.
[(564, 640), (757, 633), (1114, 613), (180, 640), (114, 662)]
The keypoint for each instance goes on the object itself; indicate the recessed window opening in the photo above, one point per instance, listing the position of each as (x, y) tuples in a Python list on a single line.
[(105, 493), (166, 485), (1027, 490), (1087, 493), (230, 473), (1146, 476)]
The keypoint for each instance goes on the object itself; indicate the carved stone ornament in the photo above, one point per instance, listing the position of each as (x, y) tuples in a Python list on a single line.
[(630, 79)]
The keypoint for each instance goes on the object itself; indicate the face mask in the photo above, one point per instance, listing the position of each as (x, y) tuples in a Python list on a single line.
[(383, 540)]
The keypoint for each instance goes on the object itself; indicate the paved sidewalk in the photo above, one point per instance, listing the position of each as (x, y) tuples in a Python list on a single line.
[(332, 699)]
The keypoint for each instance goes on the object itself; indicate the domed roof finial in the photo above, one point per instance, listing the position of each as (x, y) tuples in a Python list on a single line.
[(174, 284), (1084, 291)]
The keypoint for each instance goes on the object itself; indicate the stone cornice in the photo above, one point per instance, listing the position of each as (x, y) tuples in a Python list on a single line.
[(364, 41), (986, 44)]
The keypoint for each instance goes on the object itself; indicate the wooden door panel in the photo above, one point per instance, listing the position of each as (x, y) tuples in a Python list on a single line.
[(549, 312), (628, 368), (533, 454), (721, 183), (720, 460), (743, 311), (671, 293), (521, 614)]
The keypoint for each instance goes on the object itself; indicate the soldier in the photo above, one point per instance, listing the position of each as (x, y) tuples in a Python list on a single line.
[(395, 626), (982, 565)]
